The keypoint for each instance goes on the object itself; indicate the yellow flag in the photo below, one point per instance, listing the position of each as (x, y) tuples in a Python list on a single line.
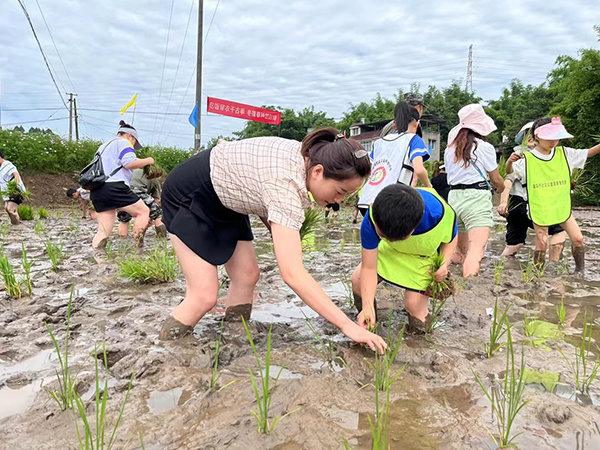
[(129, 105)]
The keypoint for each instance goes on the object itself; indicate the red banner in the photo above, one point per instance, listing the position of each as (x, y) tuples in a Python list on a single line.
[(241, 111)]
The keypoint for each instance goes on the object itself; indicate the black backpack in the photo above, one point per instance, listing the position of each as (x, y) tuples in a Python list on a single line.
[(93, 176)]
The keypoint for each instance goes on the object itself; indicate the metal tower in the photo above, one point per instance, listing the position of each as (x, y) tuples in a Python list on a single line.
[(469, 83)]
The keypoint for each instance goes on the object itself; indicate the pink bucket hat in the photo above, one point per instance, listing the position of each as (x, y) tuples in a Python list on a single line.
[(553, 130), (474, 118)]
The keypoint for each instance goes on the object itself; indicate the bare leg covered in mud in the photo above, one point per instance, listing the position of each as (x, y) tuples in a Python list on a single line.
[(557, 245), (512, 250), (12, 210), (541, 244), (106, 221), (141, 215), (244, 273), (577, 242), (470, 250)]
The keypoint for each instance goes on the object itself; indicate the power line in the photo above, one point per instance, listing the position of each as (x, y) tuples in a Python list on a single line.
[(42, 51), (211, 21), (34, 121), (54, 43)]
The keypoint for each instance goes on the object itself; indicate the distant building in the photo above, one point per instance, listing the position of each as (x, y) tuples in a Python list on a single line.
[(368, 133)]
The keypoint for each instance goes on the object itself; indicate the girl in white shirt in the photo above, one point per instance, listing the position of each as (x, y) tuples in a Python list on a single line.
[(469, 162)]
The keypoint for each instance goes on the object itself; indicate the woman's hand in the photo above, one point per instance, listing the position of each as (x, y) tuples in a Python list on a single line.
[(358, 334), (366, 318)]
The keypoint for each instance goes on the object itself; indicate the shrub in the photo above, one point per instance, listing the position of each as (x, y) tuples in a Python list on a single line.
[(158, 265), (25, 212)]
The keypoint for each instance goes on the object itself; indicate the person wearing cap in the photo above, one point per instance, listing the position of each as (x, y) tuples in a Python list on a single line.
[(472, 172), (206, 201), (513, 204), (439, 180), (115, 193), (545, 171), (397, 157)]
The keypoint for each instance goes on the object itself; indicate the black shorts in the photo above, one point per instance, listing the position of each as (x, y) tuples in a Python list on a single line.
[(518, 222), (193, 212), (112, 195), (334, 206)]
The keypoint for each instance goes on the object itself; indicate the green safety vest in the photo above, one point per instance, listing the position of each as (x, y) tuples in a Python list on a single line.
[(548, 188), (408, 263)]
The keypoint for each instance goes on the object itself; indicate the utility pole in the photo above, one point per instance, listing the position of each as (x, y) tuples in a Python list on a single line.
[(76, 121), (469, 83), (70, 116), (198, 131)]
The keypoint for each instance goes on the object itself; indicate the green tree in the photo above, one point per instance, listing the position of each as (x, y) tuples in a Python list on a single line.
[(213, 141), (294, 125), (379, 108)]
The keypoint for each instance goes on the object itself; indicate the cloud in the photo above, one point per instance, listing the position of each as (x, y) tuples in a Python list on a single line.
[(293, 54)]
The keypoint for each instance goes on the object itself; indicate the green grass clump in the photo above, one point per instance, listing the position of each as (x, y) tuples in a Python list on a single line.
[(156, 266), (39, 227), (561, 312), (507, 399), (65, 395), (499, 328), (43, 213), (55, 252), (25, 212), (312, 218), (265, 394), (97, 439), (11, 284), (583, 372)]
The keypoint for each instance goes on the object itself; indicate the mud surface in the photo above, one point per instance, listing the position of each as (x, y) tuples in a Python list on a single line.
[(436, 403)]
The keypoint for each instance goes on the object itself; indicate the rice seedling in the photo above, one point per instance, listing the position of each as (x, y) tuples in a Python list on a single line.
[(498, 269), (561, 312), (563, 266), (65, 395), (73, 226), (346, 280), (156, 266), (118, 251), (580, 183), (43, 213), (325, 347), (527, 271), (39, 227), (59, 214), (25, 212), (11, 284), (15, 192), (439, 292), (153, 171), (26, 264), (507, 399), (3, 232), (312, 218), (97, 439), (499, 328), (264, 397), (530, 325), (214, 377), (55, 253), (502, 166), (583, 372)]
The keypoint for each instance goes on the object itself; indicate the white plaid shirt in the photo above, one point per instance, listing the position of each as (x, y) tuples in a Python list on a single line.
[(264, 176)]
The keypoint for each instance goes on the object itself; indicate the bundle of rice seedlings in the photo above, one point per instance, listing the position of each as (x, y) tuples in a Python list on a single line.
[(43, 213), (153, 171), (438, 291), (157, 266), (25, 212), (312, 218), (13, 191)]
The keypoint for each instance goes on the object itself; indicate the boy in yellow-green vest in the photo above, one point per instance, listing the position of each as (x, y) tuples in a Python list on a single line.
[(404, 229), (545, 171)]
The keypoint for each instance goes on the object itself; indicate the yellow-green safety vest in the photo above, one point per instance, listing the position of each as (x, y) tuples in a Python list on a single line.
[(408, 263), (548, 188)]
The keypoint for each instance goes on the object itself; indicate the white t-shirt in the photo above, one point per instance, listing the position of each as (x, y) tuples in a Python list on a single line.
[(83, 194), (576, 159), (7, 173), (115, 153), (517, 187), (484, 158)]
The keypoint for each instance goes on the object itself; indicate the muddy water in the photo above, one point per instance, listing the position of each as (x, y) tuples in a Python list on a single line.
[(436, 403)]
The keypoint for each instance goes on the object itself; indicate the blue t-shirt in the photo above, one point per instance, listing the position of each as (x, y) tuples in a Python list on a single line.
[(434, 211)]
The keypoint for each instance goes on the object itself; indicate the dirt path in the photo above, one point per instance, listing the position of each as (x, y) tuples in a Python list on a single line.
[(436, 404)]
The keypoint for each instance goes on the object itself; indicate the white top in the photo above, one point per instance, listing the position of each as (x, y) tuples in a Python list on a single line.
[(7, 173), (117, 152), (83, 194), (517, 187), (576, 159), (484, 158)]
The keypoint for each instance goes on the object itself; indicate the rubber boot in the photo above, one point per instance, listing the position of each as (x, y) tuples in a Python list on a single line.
[(579, 256), (237, 312), (173, 329), (539, 258), (556, 251), (416, 326), (161, 231)]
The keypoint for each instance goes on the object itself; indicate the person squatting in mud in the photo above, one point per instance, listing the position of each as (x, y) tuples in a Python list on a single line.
[(84, 198), (8, 173), (402, 233), (206, 201), (545, 171), (513, 205), (115, 193), (147, 186)]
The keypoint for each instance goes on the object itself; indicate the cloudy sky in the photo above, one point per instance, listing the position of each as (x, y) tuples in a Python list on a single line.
[(283, 52)]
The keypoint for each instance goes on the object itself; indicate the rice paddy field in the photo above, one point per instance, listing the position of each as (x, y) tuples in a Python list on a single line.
[(520, 373)]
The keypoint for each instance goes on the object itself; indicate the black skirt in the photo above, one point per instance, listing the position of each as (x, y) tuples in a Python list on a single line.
[(112, 195), (193, 212)]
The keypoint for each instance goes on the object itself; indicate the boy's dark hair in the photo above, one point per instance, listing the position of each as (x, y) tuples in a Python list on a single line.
[(397, 210), (71, 192), (538, 123), (404, 114)]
